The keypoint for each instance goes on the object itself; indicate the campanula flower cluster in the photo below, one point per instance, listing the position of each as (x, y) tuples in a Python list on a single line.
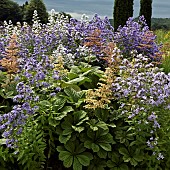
[(143, 91), (137, 36)]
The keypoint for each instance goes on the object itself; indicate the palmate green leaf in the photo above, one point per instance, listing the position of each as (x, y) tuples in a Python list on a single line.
[(68, 162), (115, 157), (53, 122), (91, 134), (82, 121), (68, 121), (92, 124), (123, 151), (102, 153), (83, 159), (105, 146), (20, 155), (138, 158), (67, 131), (60, 148), (97, 164), (79, 103), (67, 158), (70, 146), (64, 155), (102, 125), (78, 129), (76, 164), (63, 113), (60, 116), (111, 164), (80, 148), (133, 162), (108, 138), (123, 167), (64, 138), (126, 158), (95, 147), (88, 144), (94, 128), (79, 115)]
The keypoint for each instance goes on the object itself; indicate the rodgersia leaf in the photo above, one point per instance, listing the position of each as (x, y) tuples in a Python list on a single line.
[(76, 164), (78, 129), (64, 138), (105, 146), (64, 155), (58, 103), (72, 94), (123, 151), (68, 162), (76, 153), (102, 153), (95, 147), (83, 159)]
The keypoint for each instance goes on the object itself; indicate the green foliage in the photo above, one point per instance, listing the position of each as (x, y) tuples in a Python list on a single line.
[(116, 162), (146, 10), (39, 6), (73, 154), (160, 23), (10, 11), (99, 141), (7, 92), (31, 147), (164, 38)]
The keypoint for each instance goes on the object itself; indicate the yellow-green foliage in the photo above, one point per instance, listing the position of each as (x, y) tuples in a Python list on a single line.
[(164, 38)]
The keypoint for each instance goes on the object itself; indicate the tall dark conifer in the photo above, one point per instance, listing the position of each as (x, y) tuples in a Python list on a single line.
[(146, 10), (123, 9)]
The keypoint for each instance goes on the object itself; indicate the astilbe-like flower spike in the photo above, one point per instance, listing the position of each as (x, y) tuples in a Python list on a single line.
[(9, 62), (101, 97)]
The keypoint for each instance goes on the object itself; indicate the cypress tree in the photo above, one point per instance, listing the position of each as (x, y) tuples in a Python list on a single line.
[(40, 7), (123, 9), (146, 10), (130, 8)]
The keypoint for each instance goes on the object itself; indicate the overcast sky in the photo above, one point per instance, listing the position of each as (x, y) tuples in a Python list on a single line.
[(161, 8)]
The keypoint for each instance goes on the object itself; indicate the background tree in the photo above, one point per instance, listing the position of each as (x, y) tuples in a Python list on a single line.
[(10, 11), (40, 7), (123, 9), (146, 10)]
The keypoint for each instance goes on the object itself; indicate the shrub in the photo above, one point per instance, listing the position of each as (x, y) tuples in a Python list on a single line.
[(137, 36)]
